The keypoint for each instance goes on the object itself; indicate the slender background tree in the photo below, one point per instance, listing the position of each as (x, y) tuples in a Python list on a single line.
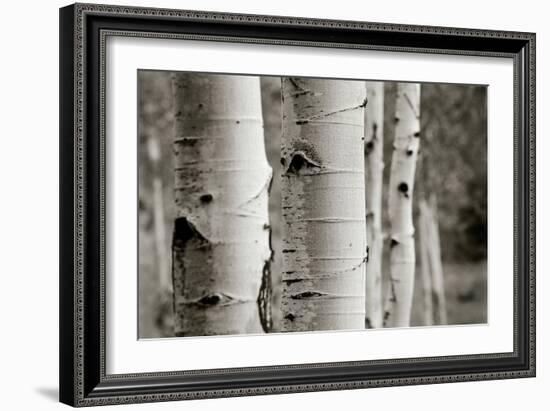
[(221, 251), (430, 236), (163, 261), (402, 248), (374, 172), (155, 135), (424, 240), (323, 201)]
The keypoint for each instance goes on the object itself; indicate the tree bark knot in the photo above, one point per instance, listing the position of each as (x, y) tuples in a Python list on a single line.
[(404, 189), (184, 230), (214, 299), (300, 162), (307, 295)]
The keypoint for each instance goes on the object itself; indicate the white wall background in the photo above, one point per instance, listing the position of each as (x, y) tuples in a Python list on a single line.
[(29, 204)]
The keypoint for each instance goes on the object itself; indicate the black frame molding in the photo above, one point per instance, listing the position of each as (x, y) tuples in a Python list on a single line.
[(83, 31)]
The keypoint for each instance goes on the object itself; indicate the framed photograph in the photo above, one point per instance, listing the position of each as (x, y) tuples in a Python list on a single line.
[(261, 204)]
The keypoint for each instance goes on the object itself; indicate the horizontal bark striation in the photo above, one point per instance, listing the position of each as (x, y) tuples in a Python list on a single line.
[(221, 246), (374, 168), (324, 244), (402, 252)]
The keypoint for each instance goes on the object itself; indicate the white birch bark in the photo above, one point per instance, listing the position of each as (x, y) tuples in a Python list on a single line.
[(324, 236), (221, 250), (374, 171), (402, 248)]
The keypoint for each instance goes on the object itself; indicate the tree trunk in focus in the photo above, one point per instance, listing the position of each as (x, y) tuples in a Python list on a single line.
[(323, 190), (221, 244)]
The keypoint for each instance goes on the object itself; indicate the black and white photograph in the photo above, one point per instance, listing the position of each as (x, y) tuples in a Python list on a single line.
[(293, 204), (278, 205)]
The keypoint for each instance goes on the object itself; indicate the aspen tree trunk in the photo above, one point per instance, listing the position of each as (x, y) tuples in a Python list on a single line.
[(221, 250), (437, 266), (324, 236), (402, 250), (374, 171), (427, 290)]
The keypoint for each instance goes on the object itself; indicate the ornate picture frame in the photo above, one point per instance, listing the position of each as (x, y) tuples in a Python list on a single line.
[(84, 29)]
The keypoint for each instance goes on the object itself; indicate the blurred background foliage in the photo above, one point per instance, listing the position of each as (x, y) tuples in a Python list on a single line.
[(452, 165)]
